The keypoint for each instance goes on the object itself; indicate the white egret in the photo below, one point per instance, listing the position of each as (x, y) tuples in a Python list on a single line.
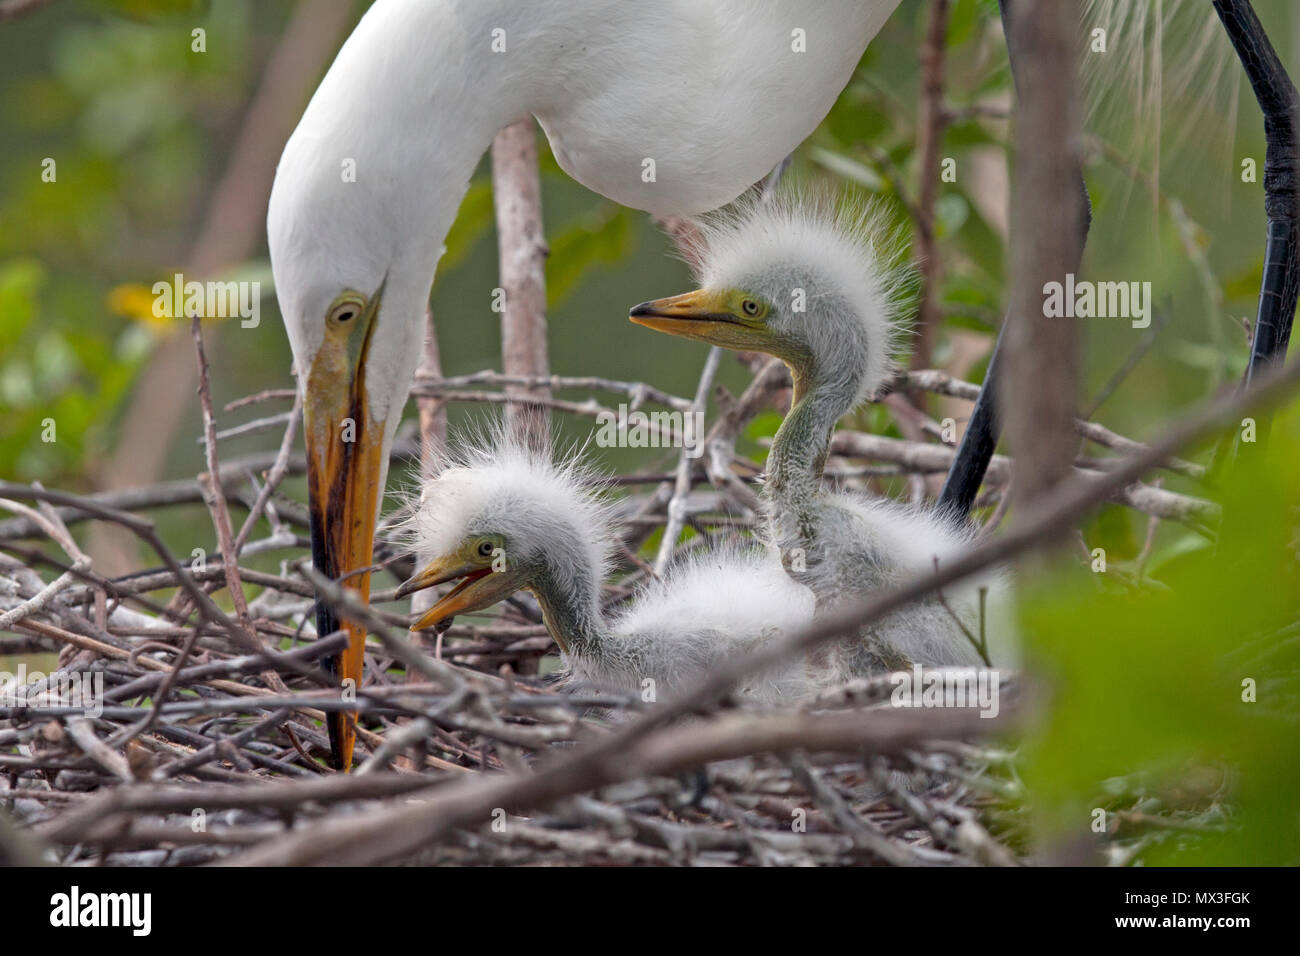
[(813, 286), (504, 518), (673, 106)]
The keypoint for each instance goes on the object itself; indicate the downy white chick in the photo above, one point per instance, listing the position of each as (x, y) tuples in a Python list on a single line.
[(815, 285), (501, 518)]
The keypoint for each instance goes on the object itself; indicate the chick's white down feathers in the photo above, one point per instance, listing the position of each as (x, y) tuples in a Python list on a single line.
[(832, 268), (543, 506), (558, 530), (832, 273)]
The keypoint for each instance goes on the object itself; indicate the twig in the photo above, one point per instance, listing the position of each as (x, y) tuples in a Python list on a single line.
[(516, 190), (220, 513), (51, 524), (639, 392), (930, 458), (266, 395), (273, 478), (862, 833), (682, 483), (82, 730), (221, 517), (929, 135)]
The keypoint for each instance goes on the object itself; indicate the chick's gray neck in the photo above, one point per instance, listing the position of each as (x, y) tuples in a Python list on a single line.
[(569, 595), (795, 466), (798, 455)]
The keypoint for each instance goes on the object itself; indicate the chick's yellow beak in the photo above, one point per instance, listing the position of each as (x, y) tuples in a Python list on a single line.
[(478, 587), (705, 315)]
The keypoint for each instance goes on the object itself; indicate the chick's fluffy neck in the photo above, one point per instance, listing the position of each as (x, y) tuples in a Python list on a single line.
[(798, 455), (570, 602)]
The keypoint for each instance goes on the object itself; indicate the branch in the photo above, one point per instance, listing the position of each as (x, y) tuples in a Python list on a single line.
[(517, 195), (1039, 391)]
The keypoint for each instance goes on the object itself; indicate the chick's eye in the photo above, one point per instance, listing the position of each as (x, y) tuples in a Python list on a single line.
[(485, 548), (749, 307)]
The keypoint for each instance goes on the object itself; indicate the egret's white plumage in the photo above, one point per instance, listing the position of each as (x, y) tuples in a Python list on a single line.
[(827, 284), (713, 92), (555, 533)]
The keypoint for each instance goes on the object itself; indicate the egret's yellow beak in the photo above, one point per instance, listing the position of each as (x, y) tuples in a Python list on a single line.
[(478, 587), (706, 316), (346, 459)]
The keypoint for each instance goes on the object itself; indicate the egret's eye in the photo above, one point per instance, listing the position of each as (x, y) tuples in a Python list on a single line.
[(749, 307), (485, 548), (346, 309)]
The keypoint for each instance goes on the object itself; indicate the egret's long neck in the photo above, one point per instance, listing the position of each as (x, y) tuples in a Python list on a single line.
[(371, 179), (795, 465), (798, 455), (413, 101), (570, 600)]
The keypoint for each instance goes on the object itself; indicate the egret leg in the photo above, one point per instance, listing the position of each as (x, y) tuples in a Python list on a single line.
[(966, 473), (1281, 107)]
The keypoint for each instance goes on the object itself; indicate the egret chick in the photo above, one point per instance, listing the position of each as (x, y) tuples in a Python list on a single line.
[(816, 286), (504, 519)]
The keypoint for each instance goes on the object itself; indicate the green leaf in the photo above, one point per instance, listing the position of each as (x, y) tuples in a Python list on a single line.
[(602, 238), (850, 169), (472, 222)]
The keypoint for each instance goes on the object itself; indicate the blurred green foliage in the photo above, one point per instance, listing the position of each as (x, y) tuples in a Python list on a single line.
[(113, 125), (55, 384), (1198, 670)]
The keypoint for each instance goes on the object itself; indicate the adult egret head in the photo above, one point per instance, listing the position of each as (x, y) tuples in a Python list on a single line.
[(352, 294), (673, 106)]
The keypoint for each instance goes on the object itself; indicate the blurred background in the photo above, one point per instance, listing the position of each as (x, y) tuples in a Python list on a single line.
[(164, 157)]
